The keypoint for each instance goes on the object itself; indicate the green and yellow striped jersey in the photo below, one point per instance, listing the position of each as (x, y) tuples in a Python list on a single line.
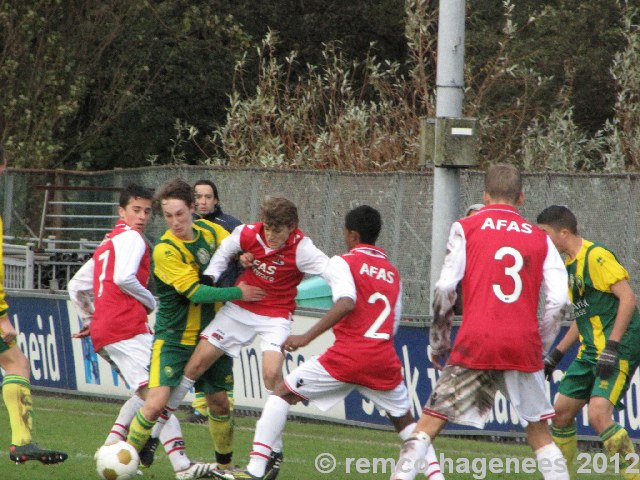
[(592, 273)]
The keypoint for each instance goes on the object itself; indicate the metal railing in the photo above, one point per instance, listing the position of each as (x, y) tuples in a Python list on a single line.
[(19, 263)]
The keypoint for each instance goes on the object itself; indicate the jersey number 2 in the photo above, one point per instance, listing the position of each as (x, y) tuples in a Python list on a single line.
[(512, 272), (373, 329)]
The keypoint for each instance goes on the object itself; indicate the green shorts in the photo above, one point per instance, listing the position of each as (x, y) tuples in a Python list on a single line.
[(167, 366), (581, 382)]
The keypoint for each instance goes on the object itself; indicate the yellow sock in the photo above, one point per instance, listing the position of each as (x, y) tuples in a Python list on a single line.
[(616, 441), (139, 431), (16, 393), (566, 438), (200, 404), (221, 429)]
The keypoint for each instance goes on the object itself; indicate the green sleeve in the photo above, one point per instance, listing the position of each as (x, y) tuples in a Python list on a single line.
[(206, 294)]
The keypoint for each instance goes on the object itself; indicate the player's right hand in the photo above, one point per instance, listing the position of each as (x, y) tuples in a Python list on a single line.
[(551, 361), (83, 333), (439, 359), (251, 293)]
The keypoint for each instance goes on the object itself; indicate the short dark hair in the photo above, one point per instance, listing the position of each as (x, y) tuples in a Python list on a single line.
[(211, 184), (503, 182), (366, 221), (176, 188), (133, 191), (279, 212), (558, 217)]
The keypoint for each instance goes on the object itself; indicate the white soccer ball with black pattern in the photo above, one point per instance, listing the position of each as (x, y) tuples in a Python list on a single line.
[(118, 461)]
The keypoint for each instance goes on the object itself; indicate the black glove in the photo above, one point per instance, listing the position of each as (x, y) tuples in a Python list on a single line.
[(608, 360), (551, 361)]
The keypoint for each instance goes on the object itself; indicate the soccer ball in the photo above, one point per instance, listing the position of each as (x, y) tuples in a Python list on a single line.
[(118, 461)]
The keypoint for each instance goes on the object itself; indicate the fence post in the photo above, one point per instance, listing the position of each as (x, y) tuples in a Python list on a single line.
[(29, 266)]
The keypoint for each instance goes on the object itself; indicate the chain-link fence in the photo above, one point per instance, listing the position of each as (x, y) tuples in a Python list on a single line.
[(607, 207)]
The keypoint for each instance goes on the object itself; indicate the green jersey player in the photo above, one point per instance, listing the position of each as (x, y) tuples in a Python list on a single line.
[(607, 325)]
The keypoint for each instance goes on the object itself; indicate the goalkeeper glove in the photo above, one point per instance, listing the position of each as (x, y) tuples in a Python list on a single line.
[(608, 359), (551, 361)]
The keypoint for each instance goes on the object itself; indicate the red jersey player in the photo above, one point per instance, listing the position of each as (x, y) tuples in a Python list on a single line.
[(502, 261), (116, 319), (367, 292)]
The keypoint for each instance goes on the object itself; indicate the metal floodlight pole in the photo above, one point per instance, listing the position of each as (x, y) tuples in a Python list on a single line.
[(449, 96)]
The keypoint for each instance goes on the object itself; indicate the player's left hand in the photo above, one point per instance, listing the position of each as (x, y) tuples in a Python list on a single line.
[(246, 259), (294, 342), (7, 331), (608, 360)]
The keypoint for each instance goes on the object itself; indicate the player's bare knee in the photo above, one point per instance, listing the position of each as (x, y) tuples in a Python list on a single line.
[(152, 411), (563, 418), (599, 418), (272, 378), (218, 403), (15, 362)]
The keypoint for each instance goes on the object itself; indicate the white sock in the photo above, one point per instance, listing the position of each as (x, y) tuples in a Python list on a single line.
[(268, 429), (412, 455), (277, 444), (173, 443), (552, 463), (432, 470), (177, 395), (120, 428)]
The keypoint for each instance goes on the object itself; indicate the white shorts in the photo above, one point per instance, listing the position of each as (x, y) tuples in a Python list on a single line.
[(466, 396), (310, 381), (131, 359), (233, 327)]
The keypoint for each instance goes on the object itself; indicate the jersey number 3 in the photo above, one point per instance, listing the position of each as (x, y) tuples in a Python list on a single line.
[(373, 329), (512, 271)]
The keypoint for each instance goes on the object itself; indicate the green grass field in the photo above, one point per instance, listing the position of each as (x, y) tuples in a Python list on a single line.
[(80, 426)]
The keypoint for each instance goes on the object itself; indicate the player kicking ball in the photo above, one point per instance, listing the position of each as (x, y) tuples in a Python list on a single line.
[(367, 294)]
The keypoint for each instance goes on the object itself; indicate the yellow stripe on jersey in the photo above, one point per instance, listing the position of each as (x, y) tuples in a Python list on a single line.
[(193, 326), (154, 367), (620, 381), (599, 339)]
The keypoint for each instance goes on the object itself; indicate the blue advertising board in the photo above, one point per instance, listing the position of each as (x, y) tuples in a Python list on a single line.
[(42, 325)]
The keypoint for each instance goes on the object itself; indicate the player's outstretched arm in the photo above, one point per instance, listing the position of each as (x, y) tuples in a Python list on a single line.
[(336, 313), (80, 290)]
